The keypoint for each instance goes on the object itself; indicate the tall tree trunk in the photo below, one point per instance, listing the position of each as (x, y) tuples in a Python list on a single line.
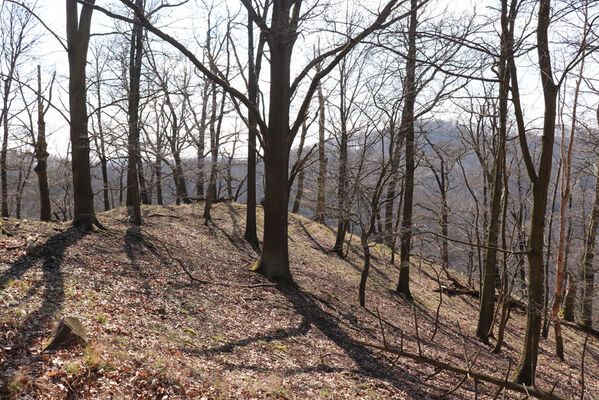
[(201, 142), (274, 261), (366, 268), (342, 176), (101, 147), (144, 191), (41, 155), (545, 326), (302, 173), (78, 33), (407, 126), (250, 233), (444, 220), (135, 57), (322, 162), (487, 298), (525, 371), (3, 156), (179, 176), (563, 218), (588, 269), (395, 150), (214, 142)]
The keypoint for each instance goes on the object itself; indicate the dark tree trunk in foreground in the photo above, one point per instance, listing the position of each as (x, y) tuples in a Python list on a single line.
[(41, 155), (407, 126), (78, 32), (525, 371), (274, 262)]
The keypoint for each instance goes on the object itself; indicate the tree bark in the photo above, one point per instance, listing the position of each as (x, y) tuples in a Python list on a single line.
[(588, 269), (254, 63), (274, 261), (407, 126), (525, 371), (301, 174), (342, 218), (41, 155), (487, 298), (135, 57), (78, 33), (322, 162)]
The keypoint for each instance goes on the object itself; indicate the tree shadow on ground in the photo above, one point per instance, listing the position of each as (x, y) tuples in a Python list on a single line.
[(366, 363), (49, 257)]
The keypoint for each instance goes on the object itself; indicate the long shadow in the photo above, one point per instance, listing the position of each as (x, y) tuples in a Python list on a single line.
[(362, 356), (309, 236), (237, 241), (51, 256), (133, 239), (234, 216), (277, 334)]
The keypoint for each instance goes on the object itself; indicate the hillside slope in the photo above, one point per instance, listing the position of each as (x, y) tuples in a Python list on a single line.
[(227, 333)]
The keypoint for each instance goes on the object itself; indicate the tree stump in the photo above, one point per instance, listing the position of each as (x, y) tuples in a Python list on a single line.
[(69, 332)]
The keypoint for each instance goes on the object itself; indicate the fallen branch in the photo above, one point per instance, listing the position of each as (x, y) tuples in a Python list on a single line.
[(501, 382), (456, 291), (163, 215)]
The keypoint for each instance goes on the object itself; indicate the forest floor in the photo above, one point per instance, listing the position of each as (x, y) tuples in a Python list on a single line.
[(157, 334)]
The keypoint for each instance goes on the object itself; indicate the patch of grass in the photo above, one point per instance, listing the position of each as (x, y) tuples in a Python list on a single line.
[(190, 331), (93, 358), (102, 318), (72, 367), (280, 347)]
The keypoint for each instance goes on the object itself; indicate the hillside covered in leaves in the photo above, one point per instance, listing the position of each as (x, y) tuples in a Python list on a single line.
[(173, 311)]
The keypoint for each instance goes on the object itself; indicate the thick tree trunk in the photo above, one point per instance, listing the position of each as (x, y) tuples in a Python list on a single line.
[(77, 43), (407, 126), (274, 262), (135, 56), (525, 371)]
